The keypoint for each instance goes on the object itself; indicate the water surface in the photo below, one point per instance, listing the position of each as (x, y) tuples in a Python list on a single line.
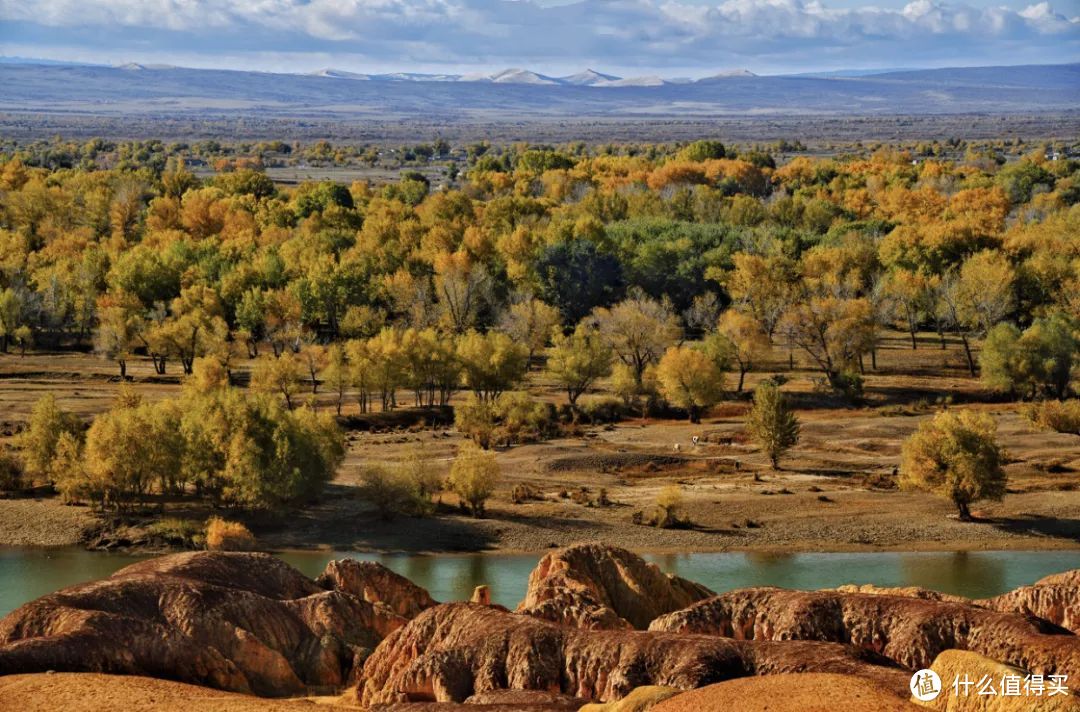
[(26, 573)]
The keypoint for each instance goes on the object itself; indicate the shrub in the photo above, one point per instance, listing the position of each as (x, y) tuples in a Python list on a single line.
[(1061, 416), (602, 409), (181, 532), (522, 419), (222, 535), (475, 419), (11, 474), (956, 456), (473, 477), (522, 493), (391, 491)]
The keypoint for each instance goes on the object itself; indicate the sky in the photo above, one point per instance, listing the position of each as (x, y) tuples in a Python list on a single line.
[(669, 38)]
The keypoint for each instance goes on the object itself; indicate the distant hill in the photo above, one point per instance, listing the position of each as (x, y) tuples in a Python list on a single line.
[(155, 89)]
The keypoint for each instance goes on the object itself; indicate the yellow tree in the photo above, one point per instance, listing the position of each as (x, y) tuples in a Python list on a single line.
[(955, 455), (491, 363), (834, 333), (281, 375), (639, 330), (745, 338), (689, 379), (474, 476), (577, 360), (530, 321), (764, 286)]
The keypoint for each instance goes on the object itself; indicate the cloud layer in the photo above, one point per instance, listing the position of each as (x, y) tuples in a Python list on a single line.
[(646, 35)]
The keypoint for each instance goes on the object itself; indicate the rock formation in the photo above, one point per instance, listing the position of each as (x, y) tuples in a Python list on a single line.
[(600, 587), (374, 583), (640, 699), (1054, 598), (910, 631), (453, 651), (239, 622)]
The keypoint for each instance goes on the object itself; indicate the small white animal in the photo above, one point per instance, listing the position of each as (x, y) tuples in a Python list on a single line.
[(695, 439), (677, 448)]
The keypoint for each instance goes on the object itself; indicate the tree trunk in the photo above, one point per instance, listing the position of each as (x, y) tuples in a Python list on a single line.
[(123, 369), (742, 375), (962, 508), (967, 353), (914, 343)]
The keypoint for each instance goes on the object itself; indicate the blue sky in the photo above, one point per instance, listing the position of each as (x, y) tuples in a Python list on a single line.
[(627, 37)]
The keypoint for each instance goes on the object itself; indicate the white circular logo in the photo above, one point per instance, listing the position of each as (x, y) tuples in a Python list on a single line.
[(925, 685)]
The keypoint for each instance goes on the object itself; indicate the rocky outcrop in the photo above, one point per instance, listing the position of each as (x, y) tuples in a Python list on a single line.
[(925, 594), (1055, 598), (374, 583), (910, 631), (453, 651), (962, 664), (239, 622), (806, 692), (600, 587)]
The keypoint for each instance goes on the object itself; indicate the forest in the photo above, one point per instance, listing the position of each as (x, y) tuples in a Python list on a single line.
[(662, 275)]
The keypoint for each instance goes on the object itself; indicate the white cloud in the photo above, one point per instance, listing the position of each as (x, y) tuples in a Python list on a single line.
[(654, 34)]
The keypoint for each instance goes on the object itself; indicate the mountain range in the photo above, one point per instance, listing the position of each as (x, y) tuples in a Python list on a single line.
[(521, 93)]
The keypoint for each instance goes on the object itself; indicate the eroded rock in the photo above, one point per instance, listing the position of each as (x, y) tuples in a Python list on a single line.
[(964, 664), (1055, 598), (374, 583), (910, 631), (601, 587), (454, 651), (236, 621)]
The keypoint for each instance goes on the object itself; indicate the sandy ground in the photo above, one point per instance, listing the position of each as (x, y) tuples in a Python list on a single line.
[(825, 497), (91, 692)]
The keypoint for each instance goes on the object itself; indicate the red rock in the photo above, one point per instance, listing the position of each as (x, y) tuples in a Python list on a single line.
[(454, 651), (595, 586), (374, 583), (909, 631), (1055, 598), (179, 618)]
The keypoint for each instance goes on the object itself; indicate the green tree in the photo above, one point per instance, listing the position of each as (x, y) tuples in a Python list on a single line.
[(955, 455), (772, 425)]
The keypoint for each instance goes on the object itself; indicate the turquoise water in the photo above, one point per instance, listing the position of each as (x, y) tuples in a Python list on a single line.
[(28, 573)]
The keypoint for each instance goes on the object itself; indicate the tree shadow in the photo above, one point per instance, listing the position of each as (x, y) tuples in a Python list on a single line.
[(1037, 524)]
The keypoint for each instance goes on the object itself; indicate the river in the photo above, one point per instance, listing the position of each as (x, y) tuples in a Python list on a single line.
[(26, 573)]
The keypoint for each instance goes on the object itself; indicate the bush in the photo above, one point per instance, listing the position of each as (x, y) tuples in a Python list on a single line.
[(228, 536), (388, 489), (473, 477), (523, 493), (603, 409), (11, 474), (475, 419), (1061, 416), (181, 532), (522, 419)]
